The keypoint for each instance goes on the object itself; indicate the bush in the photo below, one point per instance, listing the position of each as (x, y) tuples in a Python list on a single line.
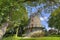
[(37, 34)]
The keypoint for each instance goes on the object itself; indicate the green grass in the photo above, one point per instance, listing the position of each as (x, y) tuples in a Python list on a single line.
[(11, 38), (40, 38)]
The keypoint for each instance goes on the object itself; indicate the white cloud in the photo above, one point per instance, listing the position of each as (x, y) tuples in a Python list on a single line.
[(43, 18)]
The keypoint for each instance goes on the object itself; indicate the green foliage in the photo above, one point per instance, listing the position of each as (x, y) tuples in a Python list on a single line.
[(37, 2), (54, 20), (13, 11), (53, 35)]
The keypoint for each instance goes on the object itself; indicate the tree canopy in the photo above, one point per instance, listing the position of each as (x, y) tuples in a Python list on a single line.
[(11, 10), (14, 11), (54, 20)]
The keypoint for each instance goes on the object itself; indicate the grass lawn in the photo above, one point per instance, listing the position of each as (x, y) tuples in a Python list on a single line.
[(40, 38)]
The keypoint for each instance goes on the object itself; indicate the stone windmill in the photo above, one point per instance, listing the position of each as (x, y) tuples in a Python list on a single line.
[(34, 24)]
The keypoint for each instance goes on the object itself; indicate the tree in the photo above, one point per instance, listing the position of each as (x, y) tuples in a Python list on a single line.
[(11, 13), (54, 20)]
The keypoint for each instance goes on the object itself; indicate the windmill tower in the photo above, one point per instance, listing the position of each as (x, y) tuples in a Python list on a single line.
[(34, 24), (34, 21)]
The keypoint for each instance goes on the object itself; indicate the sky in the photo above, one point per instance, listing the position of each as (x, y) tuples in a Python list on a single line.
[(43, 19), (46, 15)]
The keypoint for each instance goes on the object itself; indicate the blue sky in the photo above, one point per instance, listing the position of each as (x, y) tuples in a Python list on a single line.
[(43, 19), (43, 22)]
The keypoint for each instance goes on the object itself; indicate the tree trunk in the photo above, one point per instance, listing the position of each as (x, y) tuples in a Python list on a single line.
[(17, 32), (3, 30)]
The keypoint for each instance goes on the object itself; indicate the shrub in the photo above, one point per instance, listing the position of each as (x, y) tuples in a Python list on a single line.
[(37, 34)]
